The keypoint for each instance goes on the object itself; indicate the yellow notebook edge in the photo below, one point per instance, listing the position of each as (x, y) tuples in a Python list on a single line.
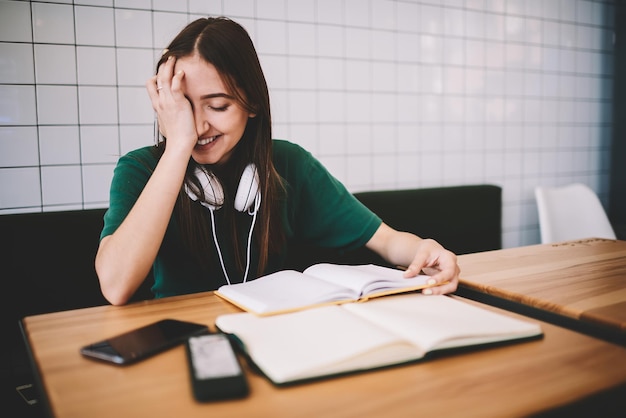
[(408, 289)]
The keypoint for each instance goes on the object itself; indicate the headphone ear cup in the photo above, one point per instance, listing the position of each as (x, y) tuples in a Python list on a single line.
[(248, 188), (213, 192)]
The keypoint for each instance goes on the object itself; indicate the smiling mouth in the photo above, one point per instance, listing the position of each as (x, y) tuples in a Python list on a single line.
[(208, 140)]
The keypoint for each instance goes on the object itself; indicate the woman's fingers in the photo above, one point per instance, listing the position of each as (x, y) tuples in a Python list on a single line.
[(151, 86), (164, 75), (177, 80)]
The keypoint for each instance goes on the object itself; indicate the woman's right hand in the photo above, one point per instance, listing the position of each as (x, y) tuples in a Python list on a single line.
[(173, 109)]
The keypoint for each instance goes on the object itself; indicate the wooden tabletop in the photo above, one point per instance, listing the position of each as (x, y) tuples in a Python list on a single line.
[(582, 280), (520, 379)]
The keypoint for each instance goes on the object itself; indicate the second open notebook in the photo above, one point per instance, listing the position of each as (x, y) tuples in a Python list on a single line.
[(323, 283), (338, 339)]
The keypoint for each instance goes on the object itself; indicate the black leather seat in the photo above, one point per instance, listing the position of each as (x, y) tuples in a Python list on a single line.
[(464, 219)]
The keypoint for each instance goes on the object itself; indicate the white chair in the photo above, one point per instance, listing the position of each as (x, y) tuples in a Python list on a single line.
[(571, 212)]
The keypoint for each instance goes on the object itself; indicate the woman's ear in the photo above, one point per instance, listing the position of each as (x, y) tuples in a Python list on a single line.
[(252, 111)]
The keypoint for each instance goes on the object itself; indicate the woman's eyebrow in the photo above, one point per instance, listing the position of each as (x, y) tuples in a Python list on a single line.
[(214, 95)]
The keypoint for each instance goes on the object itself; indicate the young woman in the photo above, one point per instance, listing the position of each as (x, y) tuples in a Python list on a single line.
[(216, 200)]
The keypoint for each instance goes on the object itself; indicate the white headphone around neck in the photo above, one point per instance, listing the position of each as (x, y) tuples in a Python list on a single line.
[(247, 198), (247, 191)]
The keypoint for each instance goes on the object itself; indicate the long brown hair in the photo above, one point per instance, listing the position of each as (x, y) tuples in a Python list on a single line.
[(227, 46)]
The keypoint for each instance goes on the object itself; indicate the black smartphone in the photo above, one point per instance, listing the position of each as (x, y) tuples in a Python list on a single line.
[(143, 342), (214, 368)]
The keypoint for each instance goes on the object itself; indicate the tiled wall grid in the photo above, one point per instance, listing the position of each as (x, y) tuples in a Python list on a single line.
[(386, 93)]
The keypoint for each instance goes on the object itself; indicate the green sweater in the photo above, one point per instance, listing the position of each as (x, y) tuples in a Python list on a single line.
[(318, 211)]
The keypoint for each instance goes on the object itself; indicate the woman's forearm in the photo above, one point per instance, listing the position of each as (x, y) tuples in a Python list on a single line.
[(124, 258)]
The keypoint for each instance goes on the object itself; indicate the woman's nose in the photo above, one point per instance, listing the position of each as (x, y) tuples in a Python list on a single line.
[(202, 123)]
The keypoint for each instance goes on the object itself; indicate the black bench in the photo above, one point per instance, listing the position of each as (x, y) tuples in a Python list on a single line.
[(464, 219)]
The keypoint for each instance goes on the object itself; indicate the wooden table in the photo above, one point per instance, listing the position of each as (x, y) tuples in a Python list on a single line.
[(580, 284), (522, 379)]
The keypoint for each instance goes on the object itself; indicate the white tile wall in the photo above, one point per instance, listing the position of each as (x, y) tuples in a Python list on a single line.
[(16, 63), (59, 145), (17, 105), (387, 93), (55, 64), (52, 23), (16, 24)]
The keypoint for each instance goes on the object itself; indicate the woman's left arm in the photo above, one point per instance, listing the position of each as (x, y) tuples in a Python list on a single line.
[(417, 255)]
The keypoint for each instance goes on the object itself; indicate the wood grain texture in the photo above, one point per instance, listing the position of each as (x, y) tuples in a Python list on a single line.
[(584, 280), (520, 379)]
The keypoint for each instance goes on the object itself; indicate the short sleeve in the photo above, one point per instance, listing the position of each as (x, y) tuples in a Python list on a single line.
[(130, 176)]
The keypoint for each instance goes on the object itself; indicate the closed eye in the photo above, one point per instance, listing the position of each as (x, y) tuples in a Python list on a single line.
[(219, 109)]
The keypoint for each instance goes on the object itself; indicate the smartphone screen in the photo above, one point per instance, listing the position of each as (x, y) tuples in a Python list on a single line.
[(212, 357), (143, 342), (214, 368)]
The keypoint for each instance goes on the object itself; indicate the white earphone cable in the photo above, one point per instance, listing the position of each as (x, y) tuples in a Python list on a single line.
[(219, 251), (257, 204)]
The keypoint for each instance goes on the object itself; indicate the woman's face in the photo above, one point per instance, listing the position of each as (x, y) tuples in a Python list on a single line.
[(220, 120)]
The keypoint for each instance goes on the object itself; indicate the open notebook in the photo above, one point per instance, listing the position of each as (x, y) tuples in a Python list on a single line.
[(336, 339), (320, 284)]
